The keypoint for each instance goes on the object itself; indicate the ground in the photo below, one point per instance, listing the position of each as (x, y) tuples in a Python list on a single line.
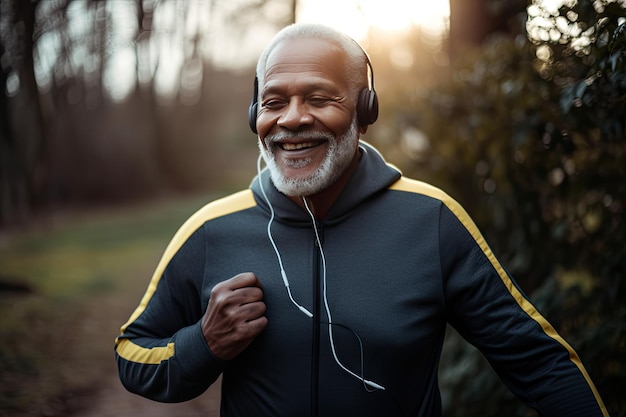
[(71, 282), (114, 401)]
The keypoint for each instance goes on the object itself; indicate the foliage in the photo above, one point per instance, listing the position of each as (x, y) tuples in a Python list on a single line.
[(530, 137)]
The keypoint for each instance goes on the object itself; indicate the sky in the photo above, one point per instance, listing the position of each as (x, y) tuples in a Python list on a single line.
[(355, 16)]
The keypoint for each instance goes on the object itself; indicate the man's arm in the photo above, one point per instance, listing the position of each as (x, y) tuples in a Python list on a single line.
[(161, 351), (486, 306), (173, 347)]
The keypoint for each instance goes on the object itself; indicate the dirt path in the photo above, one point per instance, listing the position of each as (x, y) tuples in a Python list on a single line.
[(108, 397), (60, 360), (114, 401)]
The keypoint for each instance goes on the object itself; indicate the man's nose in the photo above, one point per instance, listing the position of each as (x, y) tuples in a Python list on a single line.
[(296, 115)]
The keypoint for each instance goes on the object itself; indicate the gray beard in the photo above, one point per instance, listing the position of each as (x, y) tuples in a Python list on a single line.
[(339, 155)]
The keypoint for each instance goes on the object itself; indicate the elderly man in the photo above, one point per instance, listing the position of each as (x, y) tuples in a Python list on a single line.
[(325, 288)]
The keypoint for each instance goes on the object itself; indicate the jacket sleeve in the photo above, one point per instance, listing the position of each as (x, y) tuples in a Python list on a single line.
[(161, 353), (489, 310)]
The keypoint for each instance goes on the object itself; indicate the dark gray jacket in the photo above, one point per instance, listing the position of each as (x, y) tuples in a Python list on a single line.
[(402, 260)]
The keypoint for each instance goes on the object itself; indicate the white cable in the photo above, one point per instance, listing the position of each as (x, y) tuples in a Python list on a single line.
[(283, 274), (327, 307)]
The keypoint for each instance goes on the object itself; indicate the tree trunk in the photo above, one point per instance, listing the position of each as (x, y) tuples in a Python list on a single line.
[(473, 21), (22, 134)]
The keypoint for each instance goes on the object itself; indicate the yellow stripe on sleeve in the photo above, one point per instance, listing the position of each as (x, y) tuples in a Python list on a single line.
[(414, 186), (150, 356), (227, 205)]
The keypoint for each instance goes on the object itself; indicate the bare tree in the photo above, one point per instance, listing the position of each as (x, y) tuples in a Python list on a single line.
[(22, 142), (77, 127)]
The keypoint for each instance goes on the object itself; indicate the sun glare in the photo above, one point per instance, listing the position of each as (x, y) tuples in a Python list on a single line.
[(356, 17)]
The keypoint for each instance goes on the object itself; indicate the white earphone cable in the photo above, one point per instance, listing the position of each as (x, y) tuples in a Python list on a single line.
[(327, 307), (283, 274), (366, 383)]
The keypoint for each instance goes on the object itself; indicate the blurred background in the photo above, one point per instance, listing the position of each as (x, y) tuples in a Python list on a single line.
[(120, 118)]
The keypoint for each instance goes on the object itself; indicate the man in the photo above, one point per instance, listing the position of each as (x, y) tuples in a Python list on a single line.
[(325, 288)]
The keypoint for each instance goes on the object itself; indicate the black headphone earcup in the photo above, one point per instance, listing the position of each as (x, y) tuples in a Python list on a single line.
[(252, 112), (367, 107)]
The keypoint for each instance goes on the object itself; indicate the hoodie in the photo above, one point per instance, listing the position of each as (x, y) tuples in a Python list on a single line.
[(393, 263)]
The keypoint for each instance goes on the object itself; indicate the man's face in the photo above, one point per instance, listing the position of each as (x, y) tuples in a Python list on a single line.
[(306, 120)]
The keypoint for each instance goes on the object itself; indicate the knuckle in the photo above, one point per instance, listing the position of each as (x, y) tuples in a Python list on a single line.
[(217, 289)]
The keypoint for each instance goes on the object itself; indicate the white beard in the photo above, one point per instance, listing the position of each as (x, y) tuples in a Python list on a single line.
[(339, 155)]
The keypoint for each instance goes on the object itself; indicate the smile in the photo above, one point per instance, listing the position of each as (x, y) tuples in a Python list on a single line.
[(298, 146)]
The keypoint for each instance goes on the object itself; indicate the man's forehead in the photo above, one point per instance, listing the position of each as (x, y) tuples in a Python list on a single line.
[(303, 51), (309, 67)]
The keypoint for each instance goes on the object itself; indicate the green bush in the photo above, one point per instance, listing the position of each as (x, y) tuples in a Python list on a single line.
[(529, 134)]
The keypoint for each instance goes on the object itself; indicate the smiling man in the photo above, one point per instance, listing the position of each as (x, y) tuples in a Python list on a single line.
[(325, 288)]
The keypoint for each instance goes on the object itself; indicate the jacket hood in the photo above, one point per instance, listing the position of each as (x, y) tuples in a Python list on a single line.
[(371, 176)]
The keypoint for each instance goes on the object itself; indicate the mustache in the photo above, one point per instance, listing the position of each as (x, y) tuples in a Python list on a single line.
[(304, 135)]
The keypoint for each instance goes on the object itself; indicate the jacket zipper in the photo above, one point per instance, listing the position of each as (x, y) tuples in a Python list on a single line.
[(315, 358)]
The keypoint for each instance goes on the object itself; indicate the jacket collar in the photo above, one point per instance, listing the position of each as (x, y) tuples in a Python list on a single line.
[(371, 176)]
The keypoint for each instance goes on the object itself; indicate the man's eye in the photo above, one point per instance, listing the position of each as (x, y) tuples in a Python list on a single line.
[(319, 101), (272, 104)]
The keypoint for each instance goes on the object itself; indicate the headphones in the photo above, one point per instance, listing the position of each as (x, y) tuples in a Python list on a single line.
[(366, 107)]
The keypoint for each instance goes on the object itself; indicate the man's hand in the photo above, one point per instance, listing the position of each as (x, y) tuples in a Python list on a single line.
[(235, 315)]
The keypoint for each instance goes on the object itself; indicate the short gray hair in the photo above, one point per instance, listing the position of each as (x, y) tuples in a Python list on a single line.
[(356, 69)]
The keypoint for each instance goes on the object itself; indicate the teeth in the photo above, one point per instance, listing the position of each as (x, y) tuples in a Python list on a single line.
[(296, 146)]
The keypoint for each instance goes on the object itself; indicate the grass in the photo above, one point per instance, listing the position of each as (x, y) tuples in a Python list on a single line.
[(87, 272)]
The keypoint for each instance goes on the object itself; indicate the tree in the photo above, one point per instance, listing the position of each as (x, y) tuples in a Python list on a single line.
[(529, 134), (474, 21), (21, 140), (108, 101)]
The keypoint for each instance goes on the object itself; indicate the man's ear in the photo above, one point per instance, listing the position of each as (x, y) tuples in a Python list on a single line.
[(362, 129)]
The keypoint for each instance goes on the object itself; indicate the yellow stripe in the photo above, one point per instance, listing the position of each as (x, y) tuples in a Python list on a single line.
[(409, 185), (235, 202), (150, 356)]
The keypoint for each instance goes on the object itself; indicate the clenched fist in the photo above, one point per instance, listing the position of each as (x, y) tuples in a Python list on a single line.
[(235, 315)]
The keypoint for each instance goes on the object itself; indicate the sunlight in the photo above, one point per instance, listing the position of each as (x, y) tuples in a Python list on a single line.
[(398, 15), (356, 17)]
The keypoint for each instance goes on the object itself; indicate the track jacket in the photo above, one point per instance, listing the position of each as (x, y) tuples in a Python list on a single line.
[(402, 260)]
